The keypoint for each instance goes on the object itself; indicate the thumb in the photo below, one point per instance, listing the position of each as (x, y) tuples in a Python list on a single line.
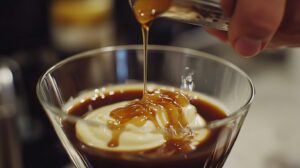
[(254, 23)]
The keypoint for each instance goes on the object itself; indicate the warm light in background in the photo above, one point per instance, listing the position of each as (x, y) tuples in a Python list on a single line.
[(81, 24)]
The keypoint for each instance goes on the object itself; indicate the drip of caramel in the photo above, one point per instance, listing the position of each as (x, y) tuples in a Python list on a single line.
[(147, 10), (140, 111)]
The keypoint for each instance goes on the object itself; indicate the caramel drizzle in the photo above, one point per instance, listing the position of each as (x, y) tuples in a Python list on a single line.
[(141, 111), (145, 12)]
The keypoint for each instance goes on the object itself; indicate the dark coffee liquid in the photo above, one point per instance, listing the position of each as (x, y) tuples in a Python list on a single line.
[(167, 155)]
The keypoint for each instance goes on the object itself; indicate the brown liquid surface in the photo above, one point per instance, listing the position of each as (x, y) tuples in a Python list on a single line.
[(178, 148)]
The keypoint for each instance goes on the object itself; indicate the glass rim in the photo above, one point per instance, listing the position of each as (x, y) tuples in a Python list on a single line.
[(191, 53)]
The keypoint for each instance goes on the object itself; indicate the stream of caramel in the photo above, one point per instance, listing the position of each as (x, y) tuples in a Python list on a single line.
[(145, 12), (157, 102)]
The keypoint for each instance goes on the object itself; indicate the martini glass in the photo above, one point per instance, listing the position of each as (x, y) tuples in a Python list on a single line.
[(88, 72)]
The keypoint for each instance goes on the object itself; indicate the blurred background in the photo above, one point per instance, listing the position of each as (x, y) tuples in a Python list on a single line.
[(35, 34)]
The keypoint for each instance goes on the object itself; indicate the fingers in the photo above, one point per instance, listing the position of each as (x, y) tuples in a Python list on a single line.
[(254, 23), (228, 7), (218, 33)]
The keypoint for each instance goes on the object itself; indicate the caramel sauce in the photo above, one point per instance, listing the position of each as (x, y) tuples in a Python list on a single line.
[(146, 109), (148, 10), (145, 12)]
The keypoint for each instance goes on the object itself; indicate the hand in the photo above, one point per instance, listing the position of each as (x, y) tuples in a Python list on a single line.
[(259, 24)]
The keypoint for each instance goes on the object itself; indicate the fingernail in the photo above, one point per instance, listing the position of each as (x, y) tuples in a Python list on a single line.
[(248, 47)]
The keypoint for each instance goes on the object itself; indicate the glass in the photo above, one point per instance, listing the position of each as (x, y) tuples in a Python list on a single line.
[(207, 13), (213, 77)]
